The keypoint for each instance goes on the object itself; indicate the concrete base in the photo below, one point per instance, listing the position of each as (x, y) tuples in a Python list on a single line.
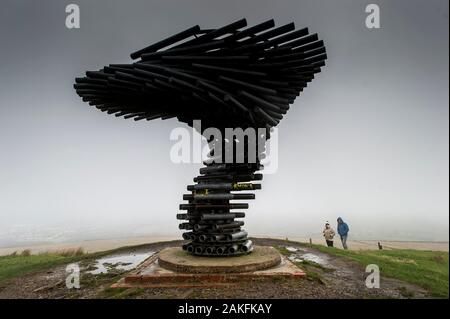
[(176, 259), (204, 271)]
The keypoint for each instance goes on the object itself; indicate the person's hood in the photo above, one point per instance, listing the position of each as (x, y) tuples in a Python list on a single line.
[(340, 220)]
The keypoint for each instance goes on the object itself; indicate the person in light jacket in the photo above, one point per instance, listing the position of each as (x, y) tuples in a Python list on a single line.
[(343, 231), (328, 233)]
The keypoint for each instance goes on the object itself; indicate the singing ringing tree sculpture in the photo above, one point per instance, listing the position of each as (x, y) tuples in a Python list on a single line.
[(229, 77)]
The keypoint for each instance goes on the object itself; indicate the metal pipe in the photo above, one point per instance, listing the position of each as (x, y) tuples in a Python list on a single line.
[(198, 250), (251, 31), (261, 102), (213, 206), (212, 186), (219, 237), (218, 32), (233, 249), (184, 50), (222, 196), (198, 227), (238, 235), (222, 216), (270, 34), (226, 226), (248, 86), (221, 250), (247, 246), (187, 236), (166, 42)]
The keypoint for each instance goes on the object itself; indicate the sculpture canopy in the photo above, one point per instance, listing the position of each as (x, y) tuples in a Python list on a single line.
[(232, 76)]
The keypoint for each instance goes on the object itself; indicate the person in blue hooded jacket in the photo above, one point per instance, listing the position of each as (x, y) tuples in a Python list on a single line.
[(342, 229)]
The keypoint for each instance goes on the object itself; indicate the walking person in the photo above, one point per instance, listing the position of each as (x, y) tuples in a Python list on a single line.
[(328, 233), (343, 229)]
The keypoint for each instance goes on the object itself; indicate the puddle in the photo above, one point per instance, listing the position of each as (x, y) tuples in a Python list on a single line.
[(314, 258), (298, 257), (121, 262), (295, 259)]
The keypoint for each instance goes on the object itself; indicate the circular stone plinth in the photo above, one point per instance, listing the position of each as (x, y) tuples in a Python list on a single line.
[(176, 259)]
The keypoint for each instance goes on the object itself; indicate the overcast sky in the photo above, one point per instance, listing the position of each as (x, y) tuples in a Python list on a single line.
[(367, 140)]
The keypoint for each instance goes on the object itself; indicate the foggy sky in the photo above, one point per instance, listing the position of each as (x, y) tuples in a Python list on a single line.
[(367, 140)]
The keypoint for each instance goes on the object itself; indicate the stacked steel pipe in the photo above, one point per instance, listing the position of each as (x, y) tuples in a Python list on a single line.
[(212, 228), (229, 77), (211, 218)]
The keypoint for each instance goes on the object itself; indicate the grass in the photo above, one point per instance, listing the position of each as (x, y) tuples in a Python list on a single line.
[(427, 269), (20, 264), (16, 265)]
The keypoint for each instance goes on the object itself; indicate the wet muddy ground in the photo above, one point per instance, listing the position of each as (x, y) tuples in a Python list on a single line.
[(328, 277)]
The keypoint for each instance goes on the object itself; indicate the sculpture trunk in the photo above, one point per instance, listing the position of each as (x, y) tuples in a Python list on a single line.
[(211, 217)]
